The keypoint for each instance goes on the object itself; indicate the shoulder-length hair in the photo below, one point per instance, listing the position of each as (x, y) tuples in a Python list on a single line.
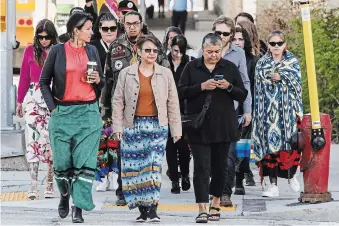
[(98, 23), (166, 37), (48, 27), (247, 41), (252, 32)]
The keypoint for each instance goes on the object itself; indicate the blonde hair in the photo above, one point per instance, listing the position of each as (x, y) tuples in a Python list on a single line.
[(253, 34)]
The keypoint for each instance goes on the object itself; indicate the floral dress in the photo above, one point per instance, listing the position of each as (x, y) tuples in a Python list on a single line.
[(37, 116)]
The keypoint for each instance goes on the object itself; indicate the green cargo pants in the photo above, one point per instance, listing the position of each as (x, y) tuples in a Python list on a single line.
[(75, 133)]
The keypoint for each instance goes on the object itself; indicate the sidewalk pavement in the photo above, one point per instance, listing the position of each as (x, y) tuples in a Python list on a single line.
[(249, 206)]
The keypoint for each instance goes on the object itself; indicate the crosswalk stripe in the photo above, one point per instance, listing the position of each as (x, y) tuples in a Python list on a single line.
[(173, 207), (13, 196)]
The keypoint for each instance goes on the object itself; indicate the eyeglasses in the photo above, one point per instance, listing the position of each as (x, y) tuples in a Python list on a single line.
[(276, 43), (155, 51), (112, 29), (46, 37), (135, 24), (225, 34)]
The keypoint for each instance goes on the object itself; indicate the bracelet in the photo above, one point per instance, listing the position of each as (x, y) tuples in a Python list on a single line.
[(229, 88)]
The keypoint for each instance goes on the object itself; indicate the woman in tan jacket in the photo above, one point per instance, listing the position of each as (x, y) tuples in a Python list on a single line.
[(145, 102)]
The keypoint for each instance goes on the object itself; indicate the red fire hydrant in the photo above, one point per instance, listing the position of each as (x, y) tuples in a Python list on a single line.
[(315, 163)]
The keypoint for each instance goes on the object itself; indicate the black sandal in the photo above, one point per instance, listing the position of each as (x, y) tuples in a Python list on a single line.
[(215, 216), (202, 218)]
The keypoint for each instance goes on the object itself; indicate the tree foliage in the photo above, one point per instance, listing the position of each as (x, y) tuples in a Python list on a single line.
[(325, 29)]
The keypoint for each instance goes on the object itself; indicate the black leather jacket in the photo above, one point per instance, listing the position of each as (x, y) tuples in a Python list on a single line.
[(55, 69)]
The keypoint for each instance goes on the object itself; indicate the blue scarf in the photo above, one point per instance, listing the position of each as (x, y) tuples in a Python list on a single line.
[(276, 104)]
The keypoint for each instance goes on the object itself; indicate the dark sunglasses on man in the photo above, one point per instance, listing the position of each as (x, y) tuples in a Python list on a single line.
[(276, 43), (112, 29), (155, 51), (225, 34), (46, 37)]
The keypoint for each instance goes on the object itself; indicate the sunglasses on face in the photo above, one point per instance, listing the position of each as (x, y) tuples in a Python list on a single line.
[(46, 37), (155, 51), (276, 43), (225, 34), (112, 28)]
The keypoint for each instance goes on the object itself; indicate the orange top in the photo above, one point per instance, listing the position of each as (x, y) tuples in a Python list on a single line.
[(146, 103), (76, 66)]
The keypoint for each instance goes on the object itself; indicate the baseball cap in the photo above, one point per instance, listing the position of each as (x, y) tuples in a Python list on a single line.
[(126, 5)]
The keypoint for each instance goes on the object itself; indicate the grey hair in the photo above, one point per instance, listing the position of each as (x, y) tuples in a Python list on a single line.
[(211, 39)]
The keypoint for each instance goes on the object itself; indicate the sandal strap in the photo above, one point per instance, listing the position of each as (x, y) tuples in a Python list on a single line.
[(201, 215), (214, 208)]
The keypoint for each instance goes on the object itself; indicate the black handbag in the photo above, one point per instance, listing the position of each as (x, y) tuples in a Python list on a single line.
[(195, 121)]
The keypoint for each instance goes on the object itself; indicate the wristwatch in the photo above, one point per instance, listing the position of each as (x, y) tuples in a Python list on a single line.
[(229, 88)]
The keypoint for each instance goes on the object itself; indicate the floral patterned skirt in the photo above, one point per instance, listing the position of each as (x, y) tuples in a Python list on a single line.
[(107, 160), (36, 117)]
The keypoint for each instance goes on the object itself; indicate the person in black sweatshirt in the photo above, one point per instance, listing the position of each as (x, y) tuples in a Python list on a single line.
[(178, 59)]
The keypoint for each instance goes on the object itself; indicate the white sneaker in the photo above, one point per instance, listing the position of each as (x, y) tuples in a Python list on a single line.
[(114, 178), (294, 185), (104, 185), (271, 191)]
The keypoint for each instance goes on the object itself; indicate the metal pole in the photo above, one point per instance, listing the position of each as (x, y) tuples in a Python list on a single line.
[(7, 44), (12, 140), (318, 140)]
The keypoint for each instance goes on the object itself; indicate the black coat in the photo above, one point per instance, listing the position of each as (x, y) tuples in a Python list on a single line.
[(55, 69), (220, 123), (101, 50), (177, 75)]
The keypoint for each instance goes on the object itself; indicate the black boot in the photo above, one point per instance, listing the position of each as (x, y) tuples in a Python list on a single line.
[(63, 208), (143, 214), (239, 186), (175, 187), (249, 179), (77, 215), (121, 200), (185, 183), (153, 216)]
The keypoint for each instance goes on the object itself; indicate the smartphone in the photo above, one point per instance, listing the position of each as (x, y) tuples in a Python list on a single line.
[(218, 77)]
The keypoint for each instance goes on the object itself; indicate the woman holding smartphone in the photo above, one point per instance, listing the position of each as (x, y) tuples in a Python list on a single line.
[(75, 123)]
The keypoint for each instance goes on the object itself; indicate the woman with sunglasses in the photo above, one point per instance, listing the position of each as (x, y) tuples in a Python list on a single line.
[(145, 104), (277, 109), (36, 113), (75, 122), (105, 32), (178, 60)]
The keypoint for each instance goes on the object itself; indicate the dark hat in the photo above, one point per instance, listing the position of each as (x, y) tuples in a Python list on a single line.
[(76, 10), (126, 5)]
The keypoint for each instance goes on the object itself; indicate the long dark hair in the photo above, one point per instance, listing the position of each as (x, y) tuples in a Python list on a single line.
[(180, 41), (48, 27), (98, 23), (166, 38), (77, 20), (247, 42)]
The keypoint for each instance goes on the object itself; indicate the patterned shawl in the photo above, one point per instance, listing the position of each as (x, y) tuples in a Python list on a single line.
[(276, 104)]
